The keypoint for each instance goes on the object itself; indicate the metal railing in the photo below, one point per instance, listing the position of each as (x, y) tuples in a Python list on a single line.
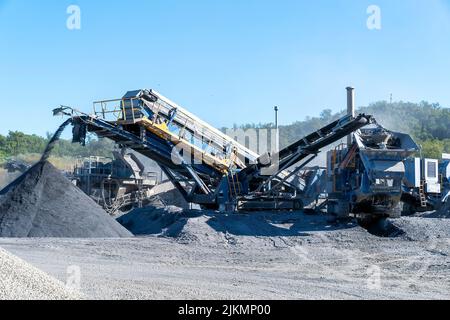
[(118, 109), (180, 124)]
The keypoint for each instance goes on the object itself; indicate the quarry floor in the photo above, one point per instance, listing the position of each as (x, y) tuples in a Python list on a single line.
[(295, 258)]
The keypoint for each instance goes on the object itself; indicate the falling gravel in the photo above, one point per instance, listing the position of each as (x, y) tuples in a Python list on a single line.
[(21, 281), (43, 203)]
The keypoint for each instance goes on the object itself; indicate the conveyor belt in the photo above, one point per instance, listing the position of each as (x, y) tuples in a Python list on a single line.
[(159, 129)]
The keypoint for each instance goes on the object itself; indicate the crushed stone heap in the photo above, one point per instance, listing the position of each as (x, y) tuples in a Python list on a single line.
[(44, 203), (21, 281)]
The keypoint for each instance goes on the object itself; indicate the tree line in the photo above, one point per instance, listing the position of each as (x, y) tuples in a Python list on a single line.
[(427, 123), (17, 143)]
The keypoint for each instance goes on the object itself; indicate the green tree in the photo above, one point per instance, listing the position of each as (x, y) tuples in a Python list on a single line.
[(432, 149)]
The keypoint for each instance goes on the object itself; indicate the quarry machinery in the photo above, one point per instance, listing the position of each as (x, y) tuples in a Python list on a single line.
[(208, 167), (115, 184), (15, 165), (444, 169), (426, 185), (365, 178), (313, 183)]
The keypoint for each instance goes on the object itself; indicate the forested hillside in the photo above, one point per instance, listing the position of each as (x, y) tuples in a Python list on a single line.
[(429, 124)]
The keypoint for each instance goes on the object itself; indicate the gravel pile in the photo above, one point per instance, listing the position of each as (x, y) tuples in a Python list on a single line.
[(203, 226), (151, 220), (422, 228), (169, 195), (442, 213), (43, 203), (21, 281)]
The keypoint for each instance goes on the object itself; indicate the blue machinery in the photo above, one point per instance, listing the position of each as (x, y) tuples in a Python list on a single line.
[(367, 176), (117, 183), (444, 169), (426, 185), (207, 167)]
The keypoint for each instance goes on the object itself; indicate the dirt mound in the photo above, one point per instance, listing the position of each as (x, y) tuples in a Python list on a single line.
[(185, 226), (203, 226), (43, 203), (21, 281), (152, 220)]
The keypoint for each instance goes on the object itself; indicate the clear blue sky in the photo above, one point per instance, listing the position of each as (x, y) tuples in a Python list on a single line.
[(228, 61)]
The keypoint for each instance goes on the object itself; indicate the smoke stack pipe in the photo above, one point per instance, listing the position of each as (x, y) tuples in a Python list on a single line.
[(350, 109)]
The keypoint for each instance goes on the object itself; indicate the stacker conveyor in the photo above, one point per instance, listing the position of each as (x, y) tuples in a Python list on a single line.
[(208, 167)]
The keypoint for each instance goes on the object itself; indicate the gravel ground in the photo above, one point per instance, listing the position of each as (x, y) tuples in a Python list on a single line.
[(21, 281), (255, 257)]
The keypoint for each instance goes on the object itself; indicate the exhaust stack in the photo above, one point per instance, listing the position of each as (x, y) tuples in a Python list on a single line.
[(350, 109)]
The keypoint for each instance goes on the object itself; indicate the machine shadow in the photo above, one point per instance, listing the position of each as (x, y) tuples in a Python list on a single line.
[(295, 224)]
